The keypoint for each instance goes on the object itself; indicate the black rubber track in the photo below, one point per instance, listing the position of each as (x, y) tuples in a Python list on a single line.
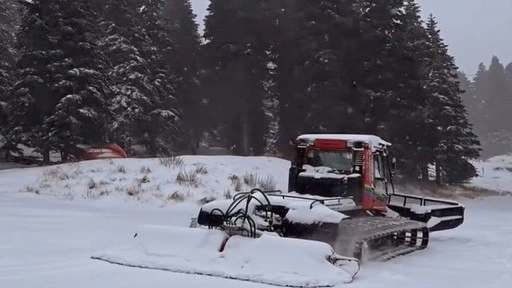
[(383, 238)]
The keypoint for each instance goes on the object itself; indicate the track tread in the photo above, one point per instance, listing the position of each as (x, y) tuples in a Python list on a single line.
[(368, 229)]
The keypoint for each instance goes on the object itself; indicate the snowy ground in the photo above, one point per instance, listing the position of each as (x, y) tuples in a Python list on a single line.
[(494, 173), (47, 241)]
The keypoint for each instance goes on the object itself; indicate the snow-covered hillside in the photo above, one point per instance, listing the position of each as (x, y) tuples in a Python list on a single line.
[(54, 218), (155, 182)]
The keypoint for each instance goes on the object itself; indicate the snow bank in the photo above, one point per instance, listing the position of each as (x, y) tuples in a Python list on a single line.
[(153, 181), (269, 259), (494, 173)]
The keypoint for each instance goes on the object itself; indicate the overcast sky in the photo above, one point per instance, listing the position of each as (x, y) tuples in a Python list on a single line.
[(473, 29)]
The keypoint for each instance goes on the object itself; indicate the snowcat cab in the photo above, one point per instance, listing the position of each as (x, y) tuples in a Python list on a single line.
[(356, 166), (360, 166)]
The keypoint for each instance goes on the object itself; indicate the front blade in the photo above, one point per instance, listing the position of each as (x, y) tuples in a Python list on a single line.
[(268, 260)]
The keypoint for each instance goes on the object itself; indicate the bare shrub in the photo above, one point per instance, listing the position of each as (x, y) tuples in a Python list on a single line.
[(250, 179), (145, 170), (190, 178), (54, 174), (92, 184), (201, 169), (172, 161), (206, 200), (177, 197), (268, 183), (227, 194), (103, 182), (134, 190), (104, 192), (89, 194), (31, 189), (45, 185), (236, 182), (121, 169), (144, 179), (234, 179)]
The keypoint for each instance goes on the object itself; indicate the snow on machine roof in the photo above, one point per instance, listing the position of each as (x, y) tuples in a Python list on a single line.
[(372, 140)]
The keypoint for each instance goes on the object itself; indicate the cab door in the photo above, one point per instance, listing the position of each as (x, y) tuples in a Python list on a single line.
[(381, 177)]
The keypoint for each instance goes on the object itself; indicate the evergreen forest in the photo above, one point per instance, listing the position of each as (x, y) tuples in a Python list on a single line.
[(139, 73)]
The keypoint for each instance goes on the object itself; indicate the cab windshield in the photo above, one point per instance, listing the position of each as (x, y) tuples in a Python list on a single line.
[(335, 160)]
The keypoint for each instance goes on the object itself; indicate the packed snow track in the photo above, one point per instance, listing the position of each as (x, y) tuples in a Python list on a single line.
[(47, 242)]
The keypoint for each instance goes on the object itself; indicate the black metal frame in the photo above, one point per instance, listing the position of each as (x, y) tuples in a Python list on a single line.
[(453, 213)]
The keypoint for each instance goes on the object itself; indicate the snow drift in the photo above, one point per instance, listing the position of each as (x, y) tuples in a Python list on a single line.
[(268, 260)]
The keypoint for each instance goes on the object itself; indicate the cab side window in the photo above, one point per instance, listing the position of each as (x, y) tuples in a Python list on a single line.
[(378, 167)]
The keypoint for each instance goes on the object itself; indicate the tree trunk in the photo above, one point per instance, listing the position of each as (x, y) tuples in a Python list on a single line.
[(46, 156), (424, 173), (438, 174)]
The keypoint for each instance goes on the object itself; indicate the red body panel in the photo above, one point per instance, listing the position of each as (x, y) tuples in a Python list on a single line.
[(371, 200), (330, 144)]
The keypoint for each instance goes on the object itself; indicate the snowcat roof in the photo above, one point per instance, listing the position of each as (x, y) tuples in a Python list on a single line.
[(372, 140)]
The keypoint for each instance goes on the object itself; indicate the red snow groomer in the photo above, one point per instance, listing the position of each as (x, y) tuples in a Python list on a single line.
[(340, 210), (351, 175)]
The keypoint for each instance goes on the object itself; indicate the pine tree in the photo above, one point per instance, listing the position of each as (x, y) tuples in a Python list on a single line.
[(498, 100), (326, 89), (481, 92), (59, 100), (508, 75), (471, 101), (456, 142), (162, 127), (508, 72), (237, 45), (405, 78), (184, 61), (79, 86), (9, 19), (30, 102), (492, 86), (129, 49)]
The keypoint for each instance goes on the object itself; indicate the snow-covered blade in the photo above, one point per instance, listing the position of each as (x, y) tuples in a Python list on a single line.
[(268, 259)]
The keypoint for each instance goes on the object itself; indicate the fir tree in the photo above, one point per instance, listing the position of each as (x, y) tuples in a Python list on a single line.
[(79, 86), (237, 45), (401, 74), (184, 61), (59, 100), (162, 127), (481, 91), (492, 86), (9, 19), (508, 75), (127, 45), (31, 101), (456, 142), (499, 100), (471, 101), (508, 72)]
